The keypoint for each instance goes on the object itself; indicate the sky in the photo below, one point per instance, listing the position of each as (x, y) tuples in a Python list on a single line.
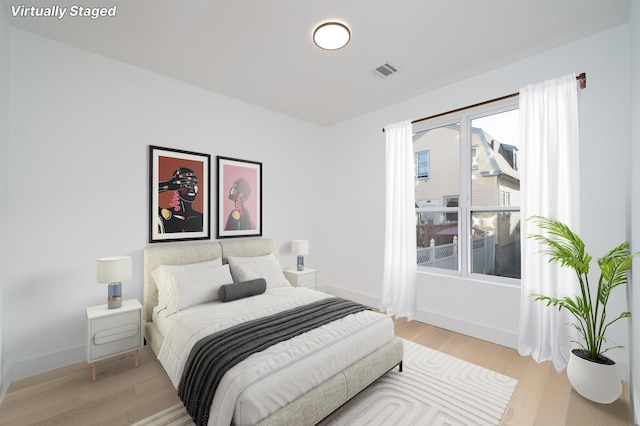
[(504, 126)]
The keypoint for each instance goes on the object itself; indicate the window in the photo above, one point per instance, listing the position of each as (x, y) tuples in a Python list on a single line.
[(476, 231), (422, 164)]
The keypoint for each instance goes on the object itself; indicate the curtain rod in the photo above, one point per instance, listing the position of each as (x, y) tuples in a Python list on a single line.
[(582, 84)]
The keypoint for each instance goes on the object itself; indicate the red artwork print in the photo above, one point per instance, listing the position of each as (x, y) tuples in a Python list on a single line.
[(179, 206)]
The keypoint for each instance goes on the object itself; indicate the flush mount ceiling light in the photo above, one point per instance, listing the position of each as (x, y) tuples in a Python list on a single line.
[(331, 35)]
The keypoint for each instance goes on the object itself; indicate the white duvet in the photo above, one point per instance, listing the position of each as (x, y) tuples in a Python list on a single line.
[(270, 379)]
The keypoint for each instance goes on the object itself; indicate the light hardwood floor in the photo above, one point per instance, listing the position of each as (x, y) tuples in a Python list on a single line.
[(123, 394)]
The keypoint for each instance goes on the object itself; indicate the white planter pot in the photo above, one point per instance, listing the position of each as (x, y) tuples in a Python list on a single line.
[(596, 382)]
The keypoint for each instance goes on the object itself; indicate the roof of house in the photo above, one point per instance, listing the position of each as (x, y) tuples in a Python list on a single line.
[(496, 153), (494, 150)]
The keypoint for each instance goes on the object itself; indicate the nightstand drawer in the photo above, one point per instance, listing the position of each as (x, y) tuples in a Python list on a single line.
[(114, 334), (307, 280)]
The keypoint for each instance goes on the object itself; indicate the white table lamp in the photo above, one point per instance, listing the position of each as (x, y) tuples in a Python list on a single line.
[(113, 270), (300, 248)]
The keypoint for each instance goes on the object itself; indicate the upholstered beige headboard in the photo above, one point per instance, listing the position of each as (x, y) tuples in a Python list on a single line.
[(244, 248), (184, 253)]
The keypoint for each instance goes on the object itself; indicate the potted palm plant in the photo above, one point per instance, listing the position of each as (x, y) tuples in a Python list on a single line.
[(590, 372)]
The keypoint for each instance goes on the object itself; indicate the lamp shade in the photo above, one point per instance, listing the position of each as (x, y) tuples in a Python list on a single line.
[(300, 247), (114, 269)]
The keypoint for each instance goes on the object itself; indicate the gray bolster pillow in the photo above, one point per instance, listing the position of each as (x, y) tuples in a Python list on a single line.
[(229, 292)]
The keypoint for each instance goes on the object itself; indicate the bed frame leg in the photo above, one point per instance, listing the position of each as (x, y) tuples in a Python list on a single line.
[(400, 366)]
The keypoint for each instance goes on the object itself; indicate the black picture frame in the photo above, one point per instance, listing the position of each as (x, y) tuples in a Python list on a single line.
[(179, 195), (239, 198)]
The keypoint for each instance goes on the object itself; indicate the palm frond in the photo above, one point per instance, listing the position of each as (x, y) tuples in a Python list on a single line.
[(563, 245), (566, 248)]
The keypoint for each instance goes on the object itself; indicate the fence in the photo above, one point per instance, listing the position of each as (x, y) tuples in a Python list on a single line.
[(445, 256)]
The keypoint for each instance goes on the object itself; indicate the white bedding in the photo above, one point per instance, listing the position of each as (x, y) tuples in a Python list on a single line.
[(261, 384)]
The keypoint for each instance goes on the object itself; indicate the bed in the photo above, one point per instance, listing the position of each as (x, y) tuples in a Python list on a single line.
[(297, 380)]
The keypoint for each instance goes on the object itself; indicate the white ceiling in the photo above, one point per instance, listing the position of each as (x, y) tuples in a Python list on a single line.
[(261, 51)]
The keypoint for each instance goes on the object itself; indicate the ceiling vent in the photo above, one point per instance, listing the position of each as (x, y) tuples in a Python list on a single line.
[(385, 70)]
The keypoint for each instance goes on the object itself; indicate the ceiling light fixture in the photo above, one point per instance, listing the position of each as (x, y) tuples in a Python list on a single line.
[(331, 35)]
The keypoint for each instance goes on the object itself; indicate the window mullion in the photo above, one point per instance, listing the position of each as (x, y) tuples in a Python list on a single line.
[(465, 194)]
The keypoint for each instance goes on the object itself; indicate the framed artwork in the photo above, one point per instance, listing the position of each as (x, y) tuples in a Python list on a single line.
[(179, 195), (239, 198)]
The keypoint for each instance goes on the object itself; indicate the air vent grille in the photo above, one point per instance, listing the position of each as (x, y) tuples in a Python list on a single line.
[(385, 70)]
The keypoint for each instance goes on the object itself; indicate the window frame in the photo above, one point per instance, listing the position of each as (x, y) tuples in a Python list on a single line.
[(417, 166), (465, 210)]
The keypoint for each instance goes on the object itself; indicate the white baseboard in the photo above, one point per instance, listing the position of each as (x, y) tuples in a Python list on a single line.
[(479, 331), (42, 364), (5, 384), (437, 319)]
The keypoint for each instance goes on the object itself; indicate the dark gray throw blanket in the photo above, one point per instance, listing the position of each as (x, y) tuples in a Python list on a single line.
[(214, 355)]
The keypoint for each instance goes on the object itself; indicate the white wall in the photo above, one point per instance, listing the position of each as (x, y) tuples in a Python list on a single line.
[(634, 289), (80, 129), (488, 311), (4, 204)]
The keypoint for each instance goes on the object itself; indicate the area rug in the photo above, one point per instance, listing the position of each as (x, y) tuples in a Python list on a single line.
[(172, 416), (434, 389)]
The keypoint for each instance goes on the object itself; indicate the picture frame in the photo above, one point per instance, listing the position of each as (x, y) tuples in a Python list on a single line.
[(179, 195), (239, 198)]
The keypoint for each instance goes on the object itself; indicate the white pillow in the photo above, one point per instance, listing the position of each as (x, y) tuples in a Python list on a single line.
[(164, 281), (196, 286), (269, 269), (241, 260)]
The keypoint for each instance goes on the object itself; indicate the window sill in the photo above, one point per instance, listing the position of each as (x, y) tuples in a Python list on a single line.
[(479, 278)]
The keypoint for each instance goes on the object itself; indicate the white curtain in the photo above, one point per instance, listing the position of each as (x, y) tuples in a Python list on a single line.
[(550, 186), (400, 266)]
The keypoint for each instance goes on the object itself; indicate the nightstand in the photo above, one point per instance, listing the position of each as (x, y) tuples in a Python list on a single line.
[(306, 278), (113, 331)]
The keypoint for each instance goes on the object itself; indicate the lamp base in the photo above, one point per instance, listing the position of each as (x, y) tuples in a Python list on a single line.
[(300, 265), (114, 300)]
